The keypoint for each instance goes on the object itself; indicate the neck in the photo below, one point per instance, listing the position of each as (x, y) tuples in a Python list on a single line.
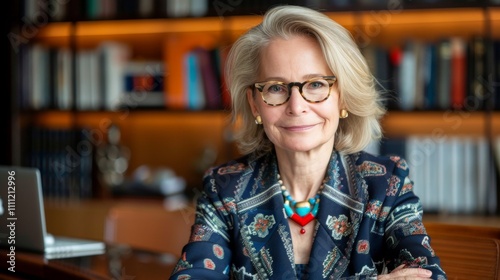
[(302, 176)]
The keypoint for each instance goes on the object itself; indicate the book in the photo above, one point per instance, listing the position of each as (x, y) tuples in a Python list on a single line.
[(210, 80), (178, 8), (39, 89), (444, 74), (220, 54), (456, 175), (430, 85), (94, 81), (458, 73), (416, 160), (143, 84), (441, 182), (63, 81), (487, 176), (431, 173), (395, 58), (408, 76), (193, 80), (88, 94), (113, 58), (378, 61), (476, 74), (420, 59), (65, 159), (146, 8), (469, 205), (198, 8)]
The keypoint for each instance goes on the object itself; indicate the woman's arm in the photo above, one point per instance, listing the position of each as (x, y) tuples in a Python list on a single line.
[(207, 254), (407, 242)]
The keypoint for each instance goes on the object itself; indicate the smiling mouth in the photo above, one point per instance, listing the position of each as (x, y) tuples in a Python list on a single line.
[(298, 127)]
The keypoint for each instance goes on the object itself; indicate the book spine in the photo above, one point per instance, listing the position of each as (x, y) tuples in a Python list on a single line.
[(458, 73), (444, 74)]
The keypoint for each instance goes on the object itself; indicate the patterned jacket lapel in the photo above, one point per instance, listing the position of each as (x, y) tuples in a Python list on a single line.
[(338, 218), (265, 231)]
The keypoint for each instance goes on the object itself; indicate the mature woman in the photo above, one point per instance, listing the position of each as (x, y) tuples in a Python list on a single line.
[(305, 201)]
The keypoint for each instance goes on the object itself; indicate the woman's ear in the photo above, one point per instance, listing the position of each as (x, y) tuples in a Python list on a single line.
[(251, 101)]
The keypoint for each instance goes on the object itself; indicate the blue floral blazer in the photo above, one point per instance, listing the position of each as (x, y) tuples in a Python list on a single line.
[(369, 222)]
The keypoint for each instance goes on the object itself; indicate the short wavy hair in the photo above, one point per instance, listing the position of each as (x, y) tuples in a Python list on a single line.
[(355, 82)]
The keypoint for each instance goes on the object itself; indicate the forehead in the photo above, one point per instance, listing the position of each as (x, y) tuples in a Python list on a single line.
[(298, 57)]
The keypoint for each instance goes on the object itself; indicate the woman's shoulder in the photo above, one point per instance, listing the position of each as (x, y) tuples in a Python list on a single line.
[(237, 166), (390, 162), (385, 175), (232, 176)]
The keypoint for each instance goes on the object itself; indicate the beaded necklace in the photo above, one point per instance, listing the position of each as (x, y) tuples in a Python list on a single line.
[(302, 212)]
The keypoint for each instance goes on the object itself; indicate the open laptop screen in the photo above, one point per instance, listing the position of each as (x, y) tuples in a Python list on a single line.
[(23, 217)]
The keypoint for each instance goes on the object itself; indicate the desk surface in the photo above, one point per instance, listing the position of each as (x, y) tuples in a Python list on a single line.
[(119, 262)]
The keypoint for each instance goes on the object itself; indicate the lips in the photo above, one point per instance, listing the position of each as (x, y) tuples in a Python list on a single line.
[(299, 127)]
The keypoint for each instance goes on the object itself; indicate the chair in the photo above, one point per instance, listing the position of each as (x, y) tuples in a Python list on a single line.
[(149, 227), (466, 252)]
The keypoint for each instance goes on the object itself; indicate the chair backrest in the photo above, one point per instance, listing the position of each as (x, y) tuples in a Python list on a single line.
[(466, 252), (149, 227)]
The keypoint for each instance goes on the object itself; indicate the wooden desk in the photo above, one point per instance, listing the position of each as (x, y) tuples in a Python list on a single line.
[(119, 262)]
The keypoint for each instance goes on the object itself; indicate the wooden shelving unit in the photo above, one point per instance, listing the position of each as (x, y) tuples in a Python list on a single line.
[(166, 139), (178, 138), (440, 123)]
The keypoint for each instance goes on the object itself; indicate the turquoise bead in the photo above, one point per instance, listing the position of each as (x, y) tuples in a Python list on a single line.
[(288, 210), (302, 211), (315, 209), (303, 208)]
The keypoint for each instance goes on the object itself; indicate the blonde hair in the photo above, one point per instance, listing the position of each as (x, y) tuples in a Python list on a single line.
[(355, 82)]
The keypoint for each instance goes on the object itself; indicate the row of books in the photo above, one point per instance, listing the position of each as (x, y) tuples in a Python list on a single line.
[(65, 160), (453, 73), (456, 175), (57, 78), (57, 10), (203, 86), (105, 78)]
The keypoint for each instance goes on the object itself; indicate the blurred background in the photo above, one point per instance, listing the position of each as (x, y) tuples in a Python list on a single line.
[(124, 101)]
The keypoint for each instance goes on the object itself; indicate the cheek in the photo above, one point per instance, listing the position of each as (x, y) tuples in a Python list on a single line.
[(269, 117)]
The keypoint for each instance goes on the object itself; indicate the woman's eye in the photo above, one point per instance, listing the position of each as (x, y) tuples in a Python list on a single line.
[(315, 85), (275, 89)]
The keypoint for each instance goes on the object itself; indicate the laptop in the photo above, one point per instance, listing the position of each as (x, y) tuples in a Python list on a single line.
[(22, 218)]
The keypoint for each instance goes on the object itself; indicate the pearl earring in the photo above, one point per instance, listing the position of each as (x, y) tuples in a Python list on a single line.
[(258, 120)]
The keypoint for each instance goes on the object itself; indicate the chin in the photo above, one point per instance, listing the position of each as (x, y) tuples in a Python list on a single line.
[(302, 148)]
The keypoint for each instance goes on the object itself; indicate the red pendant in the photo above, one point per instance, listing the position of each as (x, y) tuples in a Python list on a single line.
[(302, 221), (302, 231)]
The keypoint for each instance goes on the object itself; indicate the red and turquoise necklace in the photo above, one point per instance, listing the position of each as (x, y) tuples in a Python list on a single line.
[(302, 212)]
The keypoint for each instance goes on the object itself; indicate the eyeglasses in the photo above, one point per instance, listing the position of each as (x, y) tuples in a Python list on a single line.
[(315, 90)]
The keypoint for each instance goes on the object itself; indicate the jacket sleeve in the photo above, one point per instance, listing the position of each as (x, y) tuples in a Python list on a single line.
[(207, 254), (405, 236)]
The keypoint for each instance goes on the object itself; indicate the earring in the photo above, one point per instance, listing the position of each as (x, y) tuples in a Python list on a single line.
[(344, 114), (258, 120)]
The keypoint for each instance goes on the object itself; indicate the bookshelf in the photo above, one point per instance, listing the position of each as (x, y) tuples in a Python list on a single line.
[(462, 123), (177, 137)]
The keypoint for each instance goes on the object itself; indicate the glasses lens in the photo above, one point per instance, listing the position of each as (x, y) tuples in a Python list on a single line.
[(316, 90), (275, 93)]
